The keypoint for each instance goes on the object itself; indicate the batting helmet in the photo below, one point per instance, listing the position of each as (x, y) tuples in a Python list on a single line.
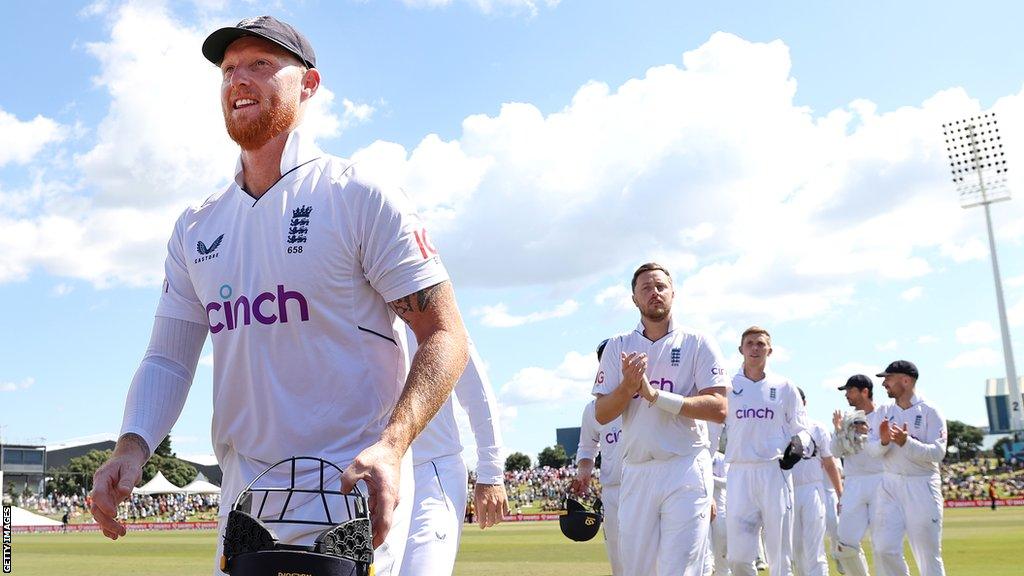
[(578, 522), (252, 549)]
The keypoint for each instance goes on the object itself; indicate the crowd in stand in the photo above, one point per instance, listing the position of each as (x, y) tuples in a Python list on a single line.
[(138, 508)]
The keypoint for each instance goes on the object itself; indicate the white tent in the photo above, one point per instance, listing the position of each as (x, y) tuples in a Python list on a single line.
[(199, 486), (22, 517), (158, 485)]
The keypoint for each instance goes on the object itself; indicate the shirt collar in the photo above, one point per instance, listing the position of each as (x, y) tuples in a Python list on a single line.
[(298, 149), (671, 326)]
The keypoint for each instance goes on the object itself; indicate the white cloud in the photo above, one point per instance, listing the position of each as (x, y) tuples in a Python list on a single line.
[(15, 386), (971, 250), (979, 358), (497, 316), (571, 380), (911, 294), (616, 296), (62, 289), (887, 346), (976, 332), (21, 141)]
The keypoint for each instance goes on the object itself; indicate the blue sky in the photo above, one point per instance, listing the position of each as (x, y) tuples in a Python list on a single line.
[(784, 159)]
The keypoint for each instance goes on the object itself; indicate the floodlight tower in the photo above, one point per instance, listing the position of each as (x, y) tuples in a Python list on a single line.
[(978, 164)]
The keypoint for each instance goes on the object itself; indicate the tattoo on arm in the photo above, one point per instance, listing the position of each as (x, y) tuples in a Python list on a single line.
[(414, 303)]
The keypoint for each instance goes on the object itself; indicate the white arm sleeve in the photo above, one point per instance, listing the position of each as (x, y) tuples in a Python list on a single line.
[(590, 435), (474, 393), (161, 383)]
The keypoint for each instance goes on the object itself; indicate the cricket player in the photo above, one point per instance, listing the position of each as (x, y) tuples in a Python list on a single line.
[(863, 474), (911, 440), (604, 439), (300, 270), (719, 471), (440, 474), (809, 500), (832, 507), (766, 418), (665, 381)]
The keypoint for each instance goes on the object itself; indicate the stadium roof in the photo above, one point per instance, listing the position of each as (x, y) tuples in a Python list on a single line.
[(82, 441)]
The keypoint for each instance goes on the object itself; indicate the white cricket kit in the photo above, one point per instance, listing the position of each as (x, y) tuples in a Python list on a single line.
[(763, 416), (831, 500), (910, 497), (809, 506), (719, 471), (665, 500), (441, 478), (294, 287), (862, 480), (594, 438)]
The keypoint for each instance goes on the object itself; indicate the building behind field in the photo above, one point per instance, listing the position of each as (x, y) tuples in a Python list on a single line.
[(23, 466), (569, 438)]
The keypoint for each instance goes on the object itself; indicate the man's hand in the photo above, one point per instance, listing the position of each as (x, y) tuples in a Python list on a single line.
[(885, 433), (714, 510), (491, 503), (581, 483), (899, 435), (113, 482), (380, 466), (837, 420), (634, 369)]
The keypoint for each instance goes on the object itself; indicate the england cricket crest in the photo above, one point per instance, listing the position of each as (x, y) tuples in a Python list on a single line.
[(917, 421), (676, 352), (299, 225), (772, 394)]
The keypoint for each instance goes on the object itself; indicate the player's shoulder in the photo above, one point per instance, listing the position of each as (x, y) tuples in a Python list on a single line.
[(197, 212), (930, 407), (621, 340)]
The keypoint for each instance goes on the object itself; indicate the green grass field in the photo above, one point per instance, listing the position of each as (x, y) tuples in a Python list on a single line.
[(977, 542)]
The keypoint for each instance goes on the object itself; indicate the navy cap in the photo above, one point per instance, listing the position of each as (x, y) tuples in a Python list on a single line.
[(900, 367), (858, 381), (266, 27)]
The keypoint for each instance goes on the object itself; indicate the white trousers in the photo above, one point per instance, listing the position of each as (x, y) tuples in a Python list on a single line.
[(438, 510), (911, 506), (610, 500), (760, 496), (386, 559), (809, 530), (859, 493), (719, 563), (831, 513), (664, 516)]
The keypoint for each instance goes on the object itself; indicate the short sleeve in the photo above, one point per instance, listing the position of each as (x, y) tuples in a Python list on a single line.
[(178, 298), (824, 442), (710, 368), (609, 372), (397, 256)]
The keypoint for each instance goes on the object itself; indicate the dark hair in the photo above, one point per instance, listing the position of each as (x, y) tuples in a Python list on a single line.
[(600, 348), (801, 391), (648, 267)]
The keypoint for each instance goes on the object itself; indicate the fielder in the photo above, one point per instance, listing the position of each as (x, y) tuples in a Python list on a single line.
[(665, 381), (719, 470), (594, 438), (863, 474), (765, 420), (439, 505), (809, 500), (911, 440), (300, 269), (832, 507)]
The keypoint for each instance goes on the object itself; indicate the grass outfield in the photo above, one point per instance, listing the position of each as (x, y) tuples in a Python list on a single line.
[(977, 542)]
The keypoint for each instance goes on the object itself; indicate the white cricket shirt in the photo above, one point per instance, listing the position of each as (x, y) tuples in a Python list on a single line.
[(762, 418), (809, 470), (294, 287), (441, 435), (594, 438), (684, 362), (926, 442)]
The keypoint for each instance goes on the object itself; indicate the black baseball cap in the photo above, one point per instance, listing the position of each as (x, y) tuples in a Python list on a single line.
[(900, 367), (266, 27), (858, 381)]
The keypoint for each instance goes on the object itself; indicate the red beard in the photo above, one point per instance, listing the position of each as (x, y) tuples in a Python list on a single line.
[(273, 120)]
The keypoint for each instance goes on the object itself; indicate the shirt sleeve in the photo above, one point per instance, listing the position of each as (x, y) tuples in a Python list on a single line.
[(824, 442), (397, 255), (931, 448), (609, 373), (473, 390), (710, 366), (796, 413), (590, 435), (178, 298)]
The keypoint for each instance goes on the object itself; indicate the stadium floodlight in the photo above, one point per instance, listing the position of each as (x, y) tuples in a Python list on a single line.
[(978, 163)]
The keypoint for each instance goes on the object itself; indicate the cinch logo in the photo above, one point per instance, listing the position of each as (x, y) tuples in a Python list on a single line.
[(612, 437), (758, 413), (242, 310), (664, 384), (716, 371)]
